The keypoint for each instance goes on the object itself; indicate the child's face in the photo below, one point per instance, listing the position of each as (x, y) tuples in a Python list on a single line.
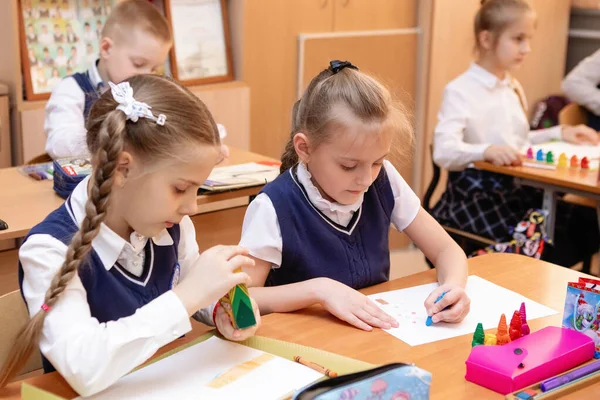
[(30, 30), (87, 28), (515, 43), (136, 54), (69, 28), (56, 29), (60, 51), (90, 49), (46, 53), (344, 166), (156, 196), (44, 29)]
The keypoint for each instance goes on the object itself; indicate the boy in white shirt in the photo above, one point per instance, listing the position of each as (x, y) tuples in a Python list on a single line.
[(60, 60), (135, 40), (582, 86), (88, 34), (45, 37)]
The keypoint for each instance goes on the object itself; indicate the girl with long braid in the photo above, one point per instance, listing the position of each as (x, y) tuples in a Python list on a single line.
[(115, 272)]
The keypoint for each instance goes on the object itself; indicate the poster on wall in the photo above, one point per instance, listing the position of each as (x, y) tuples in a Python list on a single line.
[(59, 38), (201, 50)]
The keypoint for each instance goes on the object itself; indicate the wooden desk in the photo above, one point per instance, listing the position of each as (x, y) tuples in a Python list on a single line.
[(25, 202), (579, 182), (540, 281)]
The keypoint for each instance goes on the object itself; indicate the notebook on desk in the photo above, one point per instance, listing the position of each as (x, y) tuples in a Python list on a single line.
[(241, 176)]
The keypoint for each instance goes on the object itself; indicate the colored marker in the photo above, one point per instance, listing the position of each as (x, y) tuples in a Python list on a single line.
[(571, 376), (429, 320)]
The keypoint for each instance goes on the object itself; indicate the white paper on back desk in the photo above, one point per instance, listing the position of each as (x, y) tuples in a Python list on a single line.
[(213, 369), (488, 302)]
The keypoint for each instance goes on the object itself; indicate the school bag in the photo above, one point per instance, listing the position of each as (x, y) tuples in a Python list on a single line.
[(395, 381), (68, 172), (545, 112), (529, 238)]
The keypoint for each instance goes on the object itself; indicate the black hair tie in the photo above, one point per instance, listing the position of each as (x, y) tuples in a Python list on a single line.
[(336, 66)]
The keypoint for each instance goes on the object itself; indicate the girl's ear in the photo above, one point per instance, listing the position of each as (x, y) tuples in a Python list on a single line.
[(302, 147), (122, 171), (486, 40)]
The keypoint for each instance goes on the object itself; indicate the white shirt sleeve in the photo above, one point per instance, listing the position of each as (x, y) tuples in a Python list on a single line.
[(450, 150), (91, 355), (188, 255), (64, 124), (261, 234), (545, 135), (406, 203), (581, 84)]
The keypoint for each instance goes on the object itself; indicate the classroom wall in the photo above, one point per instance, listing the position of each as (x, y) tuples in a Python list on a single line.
[(451, 51)]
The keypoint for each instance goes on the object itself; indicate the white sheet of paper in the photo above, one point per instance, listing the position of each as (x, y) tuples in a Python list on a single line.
[(488, 302), (186, 374)]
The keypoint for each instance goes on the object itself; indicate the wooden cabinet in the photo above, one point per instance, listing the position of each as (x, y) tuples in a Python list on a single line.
[(352, 15)]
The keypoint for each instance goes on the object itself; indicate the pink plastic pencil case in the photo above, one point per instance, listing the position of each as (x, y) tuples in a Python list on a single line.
[(529, 359)]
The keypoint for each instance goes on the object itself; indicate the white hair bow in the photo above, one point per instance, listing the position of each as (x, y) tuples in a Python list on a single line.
[(133, 109)]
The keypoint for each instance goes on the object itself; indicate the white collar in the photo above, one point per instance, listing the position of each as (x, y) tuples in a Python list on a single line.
[(487, 78), (108, 244), (315, 197), (95, 74)]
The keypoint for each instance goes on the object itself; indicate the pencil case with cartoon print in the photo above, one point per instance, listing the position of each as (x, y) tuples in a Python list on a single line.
[(395, 381)]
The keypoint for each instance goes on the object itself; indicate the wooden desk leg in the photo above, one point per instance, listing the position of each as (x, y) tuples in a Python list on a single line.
[(549, 205)]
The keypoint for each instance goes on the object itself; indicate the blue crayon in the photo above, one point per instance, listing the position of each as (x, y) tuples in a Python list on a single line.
[(429, 320)]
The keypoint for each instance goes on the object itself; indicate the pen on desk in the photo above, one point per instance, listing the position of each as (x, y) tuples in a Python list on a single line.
[(429, 320), (316, 367), (570, 376)]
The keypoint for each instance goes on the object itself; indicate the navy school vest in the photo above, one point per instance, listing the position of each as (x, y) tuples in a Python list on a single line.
[(91, 93), (114, 293), (314, 246)]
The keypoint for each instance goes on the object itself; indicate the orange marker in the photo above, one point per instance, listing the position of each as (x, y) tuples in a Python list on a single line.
[(316, 367)]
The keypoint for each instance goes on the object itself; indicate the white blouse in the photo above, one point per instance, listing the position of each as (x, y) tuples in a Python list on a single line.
[(91, 355), (479, 110)]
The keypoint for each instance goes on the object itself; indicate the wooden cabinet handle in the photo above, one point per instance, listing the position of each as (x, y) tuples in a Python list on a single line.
[(324, 3)]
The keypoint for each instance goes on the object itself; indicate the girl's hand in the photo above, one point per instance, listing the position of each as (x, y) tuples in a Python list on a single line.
[(212, 275), (502, 155), (455, 299), (225, 327), (579, 134), (353, 307)]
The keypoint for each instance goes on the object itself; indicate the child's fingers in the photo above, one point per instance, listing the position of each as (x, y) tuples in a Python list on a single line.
[(452, 314), (451, 297), (229, 252), (377, 312), (240, 261), (237, 278), (372, 320), (587, 136), (430, 300), (355, 321)]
